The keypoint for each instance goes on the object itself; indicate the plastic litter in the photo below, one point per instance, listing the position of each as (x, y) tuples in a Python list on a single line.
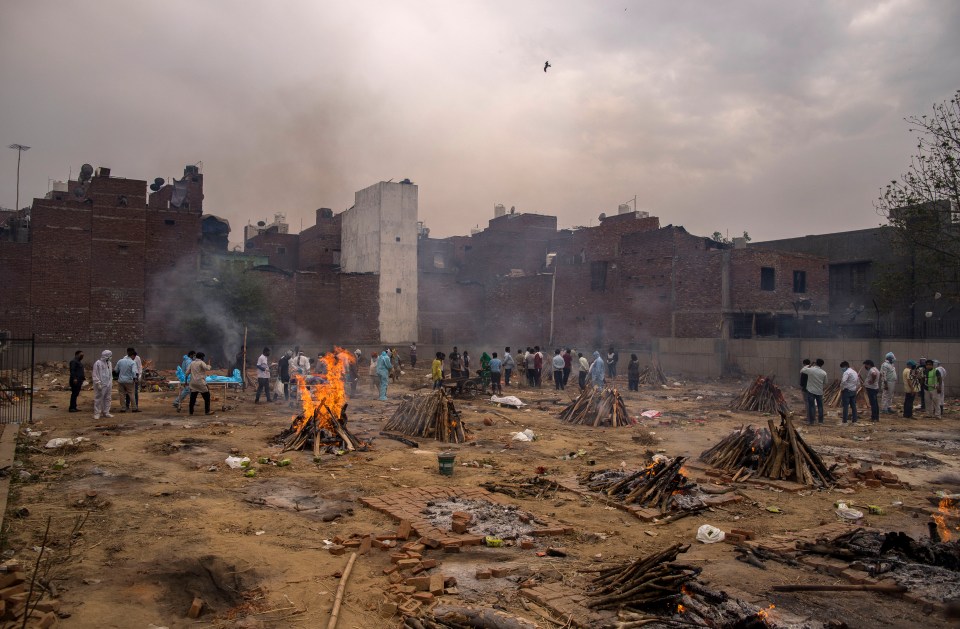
[(710, 534), (507, 400), (526, 435), (235, 462), (847, 513), (59, 442), (651, 414)]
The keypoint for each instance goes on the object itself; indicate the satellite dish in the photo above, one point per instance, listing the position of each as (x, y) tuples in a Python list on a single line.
[(80, 192), (928, 314), (157, 184), (86, 173), (261, 224), (603, 215), (937, 296)]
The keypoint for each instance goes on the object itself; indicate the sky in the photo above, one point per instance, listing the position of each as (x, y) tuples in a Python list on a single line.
[(778, 118)]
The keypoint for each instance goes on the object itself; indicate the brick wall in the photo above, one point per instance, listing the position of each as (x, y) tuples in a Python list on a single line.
[(452, 308), (318, 307), (319, 247), (15, 273), (745, 265), (359, 308), (283, 250)]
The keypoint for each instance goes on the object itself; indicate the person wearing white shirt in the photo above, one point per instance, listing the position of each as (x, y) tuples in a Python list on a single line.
[(557, 370), (888, 382), (871, 383), (263, 376), (584, 370), (849, 385), (509, 364), (816, 378)]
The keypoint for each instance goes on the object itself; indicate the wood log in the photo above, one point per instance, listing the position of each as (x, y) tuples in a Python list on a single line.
[(479, 618)]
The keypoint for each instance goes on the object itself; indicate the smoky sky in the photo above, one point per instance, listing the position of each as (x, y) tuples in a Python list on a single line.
[(779, 118)]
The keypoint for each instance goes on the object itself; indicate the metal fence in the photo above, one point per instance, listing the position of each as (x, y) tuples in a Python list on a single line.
[(16, 380)]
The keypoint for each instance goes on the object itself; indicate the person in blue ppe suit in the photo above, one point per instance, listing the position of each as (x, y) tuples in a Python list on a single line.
[(384, 365), (597, 370)]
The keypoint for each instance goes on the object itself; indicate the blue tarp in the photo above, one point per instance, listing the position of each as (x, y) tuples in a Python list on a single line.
[(235, 379)]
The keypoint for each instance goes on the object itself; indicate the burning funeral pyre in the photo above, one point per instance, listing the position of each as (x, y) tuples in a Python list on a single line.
[(656, 591), (431, 416), (662, 485), (773, 452), (762, 395), (597, 406), (323, 420)]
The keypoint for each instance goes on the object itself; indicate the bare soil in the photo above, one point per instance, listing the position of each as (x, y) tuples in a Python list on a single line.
[(168, 520)]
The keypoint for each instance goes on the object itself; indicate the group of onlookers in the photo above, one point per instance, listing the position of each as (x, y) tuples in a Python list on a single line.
[(924, 379)]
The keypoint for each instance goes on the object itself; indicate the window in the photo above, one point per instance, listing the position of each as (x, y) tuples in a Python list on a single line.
[(799, 281), (398, 291), (398, 238), (768, 278), (598, 276), (169, 221), (438, 262), (281, 250)]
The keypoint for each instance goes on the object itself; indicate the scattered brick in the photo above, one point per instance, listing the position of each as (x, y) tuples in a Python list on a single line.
[(527, 544), (195, 608), (390, 569), (459, 526), (426, 597), (451, 547), (502, 571), (410, 607), (483, 575), (388, 609), (405, 564), (365, 545), (436, 584), (421, 584), (403, 530)]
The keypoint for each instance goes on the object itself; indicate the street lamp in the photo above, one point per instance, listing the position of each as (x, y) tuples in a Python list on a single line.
[(19, 148)]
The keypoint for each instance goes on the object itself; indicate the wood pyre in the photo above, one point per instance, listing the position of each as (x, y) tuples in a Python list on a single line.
[(762, 395), (596, 406), (431, 416), (778, 453)]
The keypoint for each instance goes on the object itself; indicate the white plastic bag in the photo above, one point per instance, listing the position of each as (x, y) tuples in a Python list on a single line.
[(710, 534), (235, 461), (507, 400), (278, 389), (59, 442)]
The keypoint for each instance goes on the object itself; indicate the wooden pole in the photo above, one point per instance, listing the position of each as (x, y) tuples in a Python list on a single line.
[(243, 360), (334, 615)]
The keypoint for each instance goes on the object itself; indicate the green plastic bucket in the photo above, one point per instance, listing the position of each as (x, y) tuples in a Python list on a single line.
[(446, 462)]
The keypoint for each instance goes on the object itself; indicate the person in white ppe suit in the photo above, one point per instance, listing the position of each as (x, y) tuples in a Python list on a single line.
[(102, 385)]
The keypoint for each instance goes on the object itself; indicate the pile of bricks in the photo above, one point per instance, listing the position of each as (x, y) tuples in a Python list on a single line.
[(878, 478), (14, 590), (413, 587), (407, 507)]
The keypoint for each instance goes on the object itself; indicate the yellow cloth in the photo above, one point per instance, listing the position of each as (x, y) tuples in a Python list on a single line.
[(437, 369)]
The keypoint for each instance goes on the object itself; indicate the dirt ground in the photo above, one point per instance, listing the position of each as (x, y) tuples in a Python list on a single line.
[(167, 518)]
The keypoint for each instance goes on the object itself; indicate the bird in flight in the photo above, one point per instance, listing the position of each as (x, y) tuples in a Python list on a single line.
[(545, 66)]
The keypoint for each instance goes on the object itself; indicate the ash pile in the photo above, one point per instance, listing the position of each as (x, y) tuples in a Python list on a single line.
[(778, 453), (661, 485), (479, 517)]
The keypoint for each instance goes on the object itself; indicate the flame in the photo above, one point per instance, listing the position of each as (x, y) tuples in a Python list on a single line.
[(680, 608), (763, 614), (946, 508), (684, 472), (329, 393)]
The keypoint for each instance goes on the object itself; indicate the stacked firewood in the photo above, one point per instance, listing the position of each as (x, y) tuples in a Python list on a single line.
[(431, 416), (741, 449), (778, 453), (790, 458), (762, 395), (640, 584), (832, 392), (597, 406), (323, 428), (652, 374), (655, 486)]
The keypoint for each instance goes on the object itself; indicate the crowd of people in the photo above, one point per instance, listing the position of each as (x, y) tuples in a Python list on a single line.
[(923, 379)]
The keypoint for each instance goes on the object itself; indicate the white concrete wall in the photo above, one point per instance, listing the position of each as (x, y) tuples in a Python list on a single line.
[(379, 235), (398, 262)]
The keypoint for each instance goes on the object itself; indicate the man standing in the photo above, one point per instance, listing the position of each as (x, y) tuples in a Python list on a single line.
[(934, 382), (198, 383), (283, 373), (871, 382), (612, 358), (529, 363), (76, 379), (496, 366), (816, 378), (803, 381), (557, 370), (132, 353), (584, 367), (384, 365), (126, 377), (103, 384), (888, 381), (509, 364), (633, 373), (413, 356), (185, 385), (849, 384), (597, 369), (436, 370), (263, 376), (910, 389), (943, 381), (537, 366), (567, 366)]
